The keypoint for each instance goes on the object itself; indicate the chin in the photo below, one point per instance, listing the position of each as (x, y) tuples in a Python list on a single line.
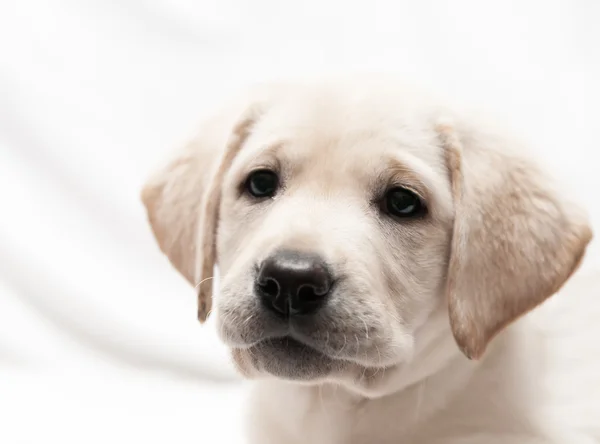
[(288, 359)]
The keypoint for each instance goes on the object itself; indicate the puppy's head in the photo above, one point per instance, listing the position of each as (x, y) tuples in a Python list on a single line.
[(343, 220)]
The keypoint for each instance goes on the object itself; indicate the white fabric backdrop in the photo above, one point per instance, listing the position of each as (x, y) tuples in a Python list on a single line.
[(98, 337)]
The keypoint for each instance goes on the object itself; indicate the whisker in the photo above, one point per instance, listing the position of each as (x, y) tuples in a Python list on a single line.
[(203, 281), (378, 362), (248, 319), (339, 352), (366, 328)]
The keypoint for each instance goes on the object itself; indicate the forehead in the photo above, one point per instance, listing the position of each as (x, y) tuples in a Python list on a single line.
[(351, 128)]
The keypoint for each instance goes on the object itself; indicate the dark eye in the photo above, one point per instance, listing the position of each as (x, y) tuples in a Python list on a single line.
[(262, 183), (400, 202)]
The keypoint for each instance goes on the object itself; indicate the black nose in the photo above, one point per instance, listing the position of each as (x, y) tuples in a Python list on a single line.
[(292, 283)]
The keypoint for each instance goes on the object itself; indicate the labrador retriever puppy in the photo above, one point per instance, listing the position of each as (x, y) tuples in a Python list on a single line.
[(375, 249)]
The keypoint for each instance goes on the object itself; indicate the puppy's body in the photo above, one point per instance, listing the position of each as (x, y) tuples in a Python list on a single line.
[(393, 228)]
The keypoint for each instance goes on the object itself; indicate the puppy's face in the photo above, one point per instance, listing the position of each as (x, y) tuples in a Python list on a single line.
[(356, 230), (332, 243)]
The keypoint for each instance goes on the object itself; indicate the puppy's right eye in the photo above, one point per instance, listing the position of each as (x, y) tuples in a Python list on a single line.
[(262, 183), (402, 203)]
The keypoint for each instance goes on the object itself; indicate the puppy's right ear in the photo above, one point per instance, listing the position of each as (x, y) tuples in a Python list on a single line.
[(173, 197), (182, 199), (206, 254)]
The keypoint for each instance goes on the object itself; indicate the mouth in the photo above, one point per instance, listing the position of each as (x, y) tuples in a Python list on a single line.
[(288, 358)]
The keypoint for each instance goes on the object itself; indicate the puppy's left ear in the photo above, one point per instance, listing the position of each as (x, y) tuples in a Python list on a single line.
[(516, 238)]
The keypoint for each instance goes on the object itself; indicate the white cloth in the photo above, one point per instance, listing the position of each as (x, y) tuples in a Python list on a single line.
[(98, 336)]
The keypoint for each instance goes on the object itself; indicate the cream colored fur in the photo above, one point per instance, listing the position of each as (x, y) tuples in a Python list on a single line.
[(388, 361)]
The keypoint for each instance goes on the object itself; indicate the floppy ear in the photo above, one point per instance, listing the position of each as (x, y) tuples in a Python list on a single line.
[(516, 239), (172, 197), (209, 217), (182, 200)]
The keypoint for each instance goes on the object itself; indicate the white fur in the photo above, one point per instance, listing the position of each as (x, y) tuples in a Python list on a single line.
[(542, 378), (537, 380)]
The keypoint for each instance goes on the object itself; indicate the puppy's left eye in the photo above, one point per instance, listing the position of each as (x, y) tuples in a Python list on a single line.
[(262, 183), (402, 203)]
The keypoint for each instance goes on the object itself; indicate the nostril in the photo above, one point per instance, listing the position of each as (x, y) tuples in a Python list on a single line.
[(269, 287), (310, 293)]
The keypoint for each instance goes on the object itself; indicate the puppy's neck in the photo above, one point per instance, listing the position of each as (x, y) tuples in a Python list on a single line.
[(335, 412), (402, 398)]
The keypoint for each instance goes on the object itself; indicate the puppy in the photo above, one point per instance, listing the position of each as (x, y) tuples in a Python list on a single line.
[(375, 248)]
